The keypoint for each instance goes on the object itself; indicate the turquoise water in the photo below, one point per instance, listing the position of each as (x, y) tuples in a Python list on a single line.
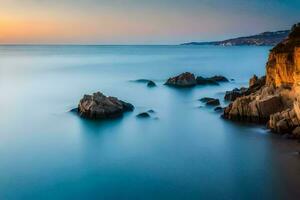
[(184, 151)]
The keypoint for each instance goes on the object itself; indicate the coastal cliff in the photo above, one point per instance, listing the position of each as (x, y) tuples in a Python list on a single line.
[(277, 101), (262, 39)]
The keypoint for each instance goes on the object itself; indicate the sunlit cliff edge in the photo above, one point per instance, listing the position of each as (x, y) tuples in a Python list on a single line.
[(277, 101)]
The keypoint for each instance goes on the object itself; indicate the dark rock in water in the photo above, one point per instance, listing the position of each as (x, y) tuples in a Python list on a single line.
[(150, 111), (142, 80), (206, 99), (99, 106), (213, 102), (74, 110), (232, 79), (143, 115), (204, 81), (219, 109), (183, 80), (151, 84), (210, 101), (218, 79), (214, 80)]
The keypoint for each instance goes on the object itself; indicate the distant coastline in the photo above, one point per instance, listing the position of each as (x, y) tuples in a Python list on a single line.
[(262, 39)]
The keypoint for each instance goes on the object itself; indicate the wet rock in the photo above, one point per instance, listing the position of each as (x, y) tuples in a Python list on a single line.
[(204, 81), (213, 102), (214, 80), (206, 99), (218, 78), (143, 115), (234, 94), (99, 106), (183, 80), (150, 111), (219, 109), (253, 80), (151, 84)]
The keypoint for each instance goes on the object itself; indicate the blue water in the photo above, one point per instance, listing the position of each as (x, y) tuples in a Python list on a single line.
[(184, 151)]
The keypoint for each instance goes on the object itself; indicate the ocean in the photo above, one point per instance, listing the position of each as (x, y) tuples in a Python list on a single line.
[(184, 151)]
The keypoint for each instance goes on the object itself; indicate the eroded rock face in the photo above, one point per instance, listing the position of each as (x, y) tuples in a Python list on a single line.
[(99, 106), (183, 80), (274, 100), (255, 84)]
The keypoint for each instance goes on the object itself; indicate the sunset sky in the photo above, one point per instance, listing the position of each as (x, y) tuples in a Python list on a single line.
[(140, 21)]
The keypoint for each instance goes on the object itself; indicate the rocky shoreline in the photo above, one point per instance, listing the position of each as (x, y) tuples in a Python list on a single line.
[(273, 100)]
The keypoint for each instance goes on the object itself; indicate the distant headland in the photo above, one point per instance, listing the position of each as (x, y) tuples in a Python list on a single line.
[(262, 39)]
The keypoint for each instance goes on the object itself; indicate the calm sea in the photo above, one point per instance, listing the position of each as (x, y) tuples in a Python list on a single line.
[(184, 151)]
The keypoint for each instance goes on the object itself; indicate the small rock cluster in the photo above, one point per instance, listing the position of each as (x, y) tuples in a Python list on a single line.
[(188, 79)]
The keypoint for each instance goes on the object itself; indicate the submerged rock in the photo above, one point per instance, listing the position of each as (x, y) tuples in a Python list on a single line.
[(219, 109), (183, 80), (213, 102), (151, 84), (214, 80), (143, 115), (206, 99), (99, 106)]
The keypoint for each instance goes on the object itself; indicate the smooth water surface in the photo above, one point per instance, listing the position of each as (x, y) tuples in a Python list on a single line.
[(185, 151)]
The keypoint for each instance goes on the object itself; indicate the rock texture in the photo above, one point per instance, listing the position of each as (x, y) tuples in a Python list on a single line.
[(275, 100), (255, 84), (214, 80), (183, 80), (99, 106)]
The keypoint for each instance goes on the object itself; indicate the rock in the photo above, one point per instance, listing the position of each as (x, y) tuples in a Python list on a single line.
[(219, 109), (274, 99), (214, 80), (142, 80), (204, 81), (296, 132), (206, 99), (151, 84), (150, 111), (99, 106), (255, 84), (234, 94), (253, 80), (143, 115), (218, 78), (183, 80), (213, 102)]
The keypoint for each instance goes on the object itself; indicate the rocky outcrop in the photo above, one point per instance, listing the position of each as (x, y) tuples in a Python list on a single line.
[(255, 84), (99, 106), (210, 101), (214, 80), (188, 79), (151, 84), (274, 100), (183, 80)]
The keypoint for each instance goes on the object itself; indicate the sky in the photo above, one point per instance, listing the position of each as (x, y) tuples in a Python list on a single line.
[(140, 21)]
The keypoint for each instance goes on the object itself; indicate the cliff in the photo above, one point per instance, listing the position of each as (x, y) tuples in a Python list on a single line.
[(262, 39), (276, 103)]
